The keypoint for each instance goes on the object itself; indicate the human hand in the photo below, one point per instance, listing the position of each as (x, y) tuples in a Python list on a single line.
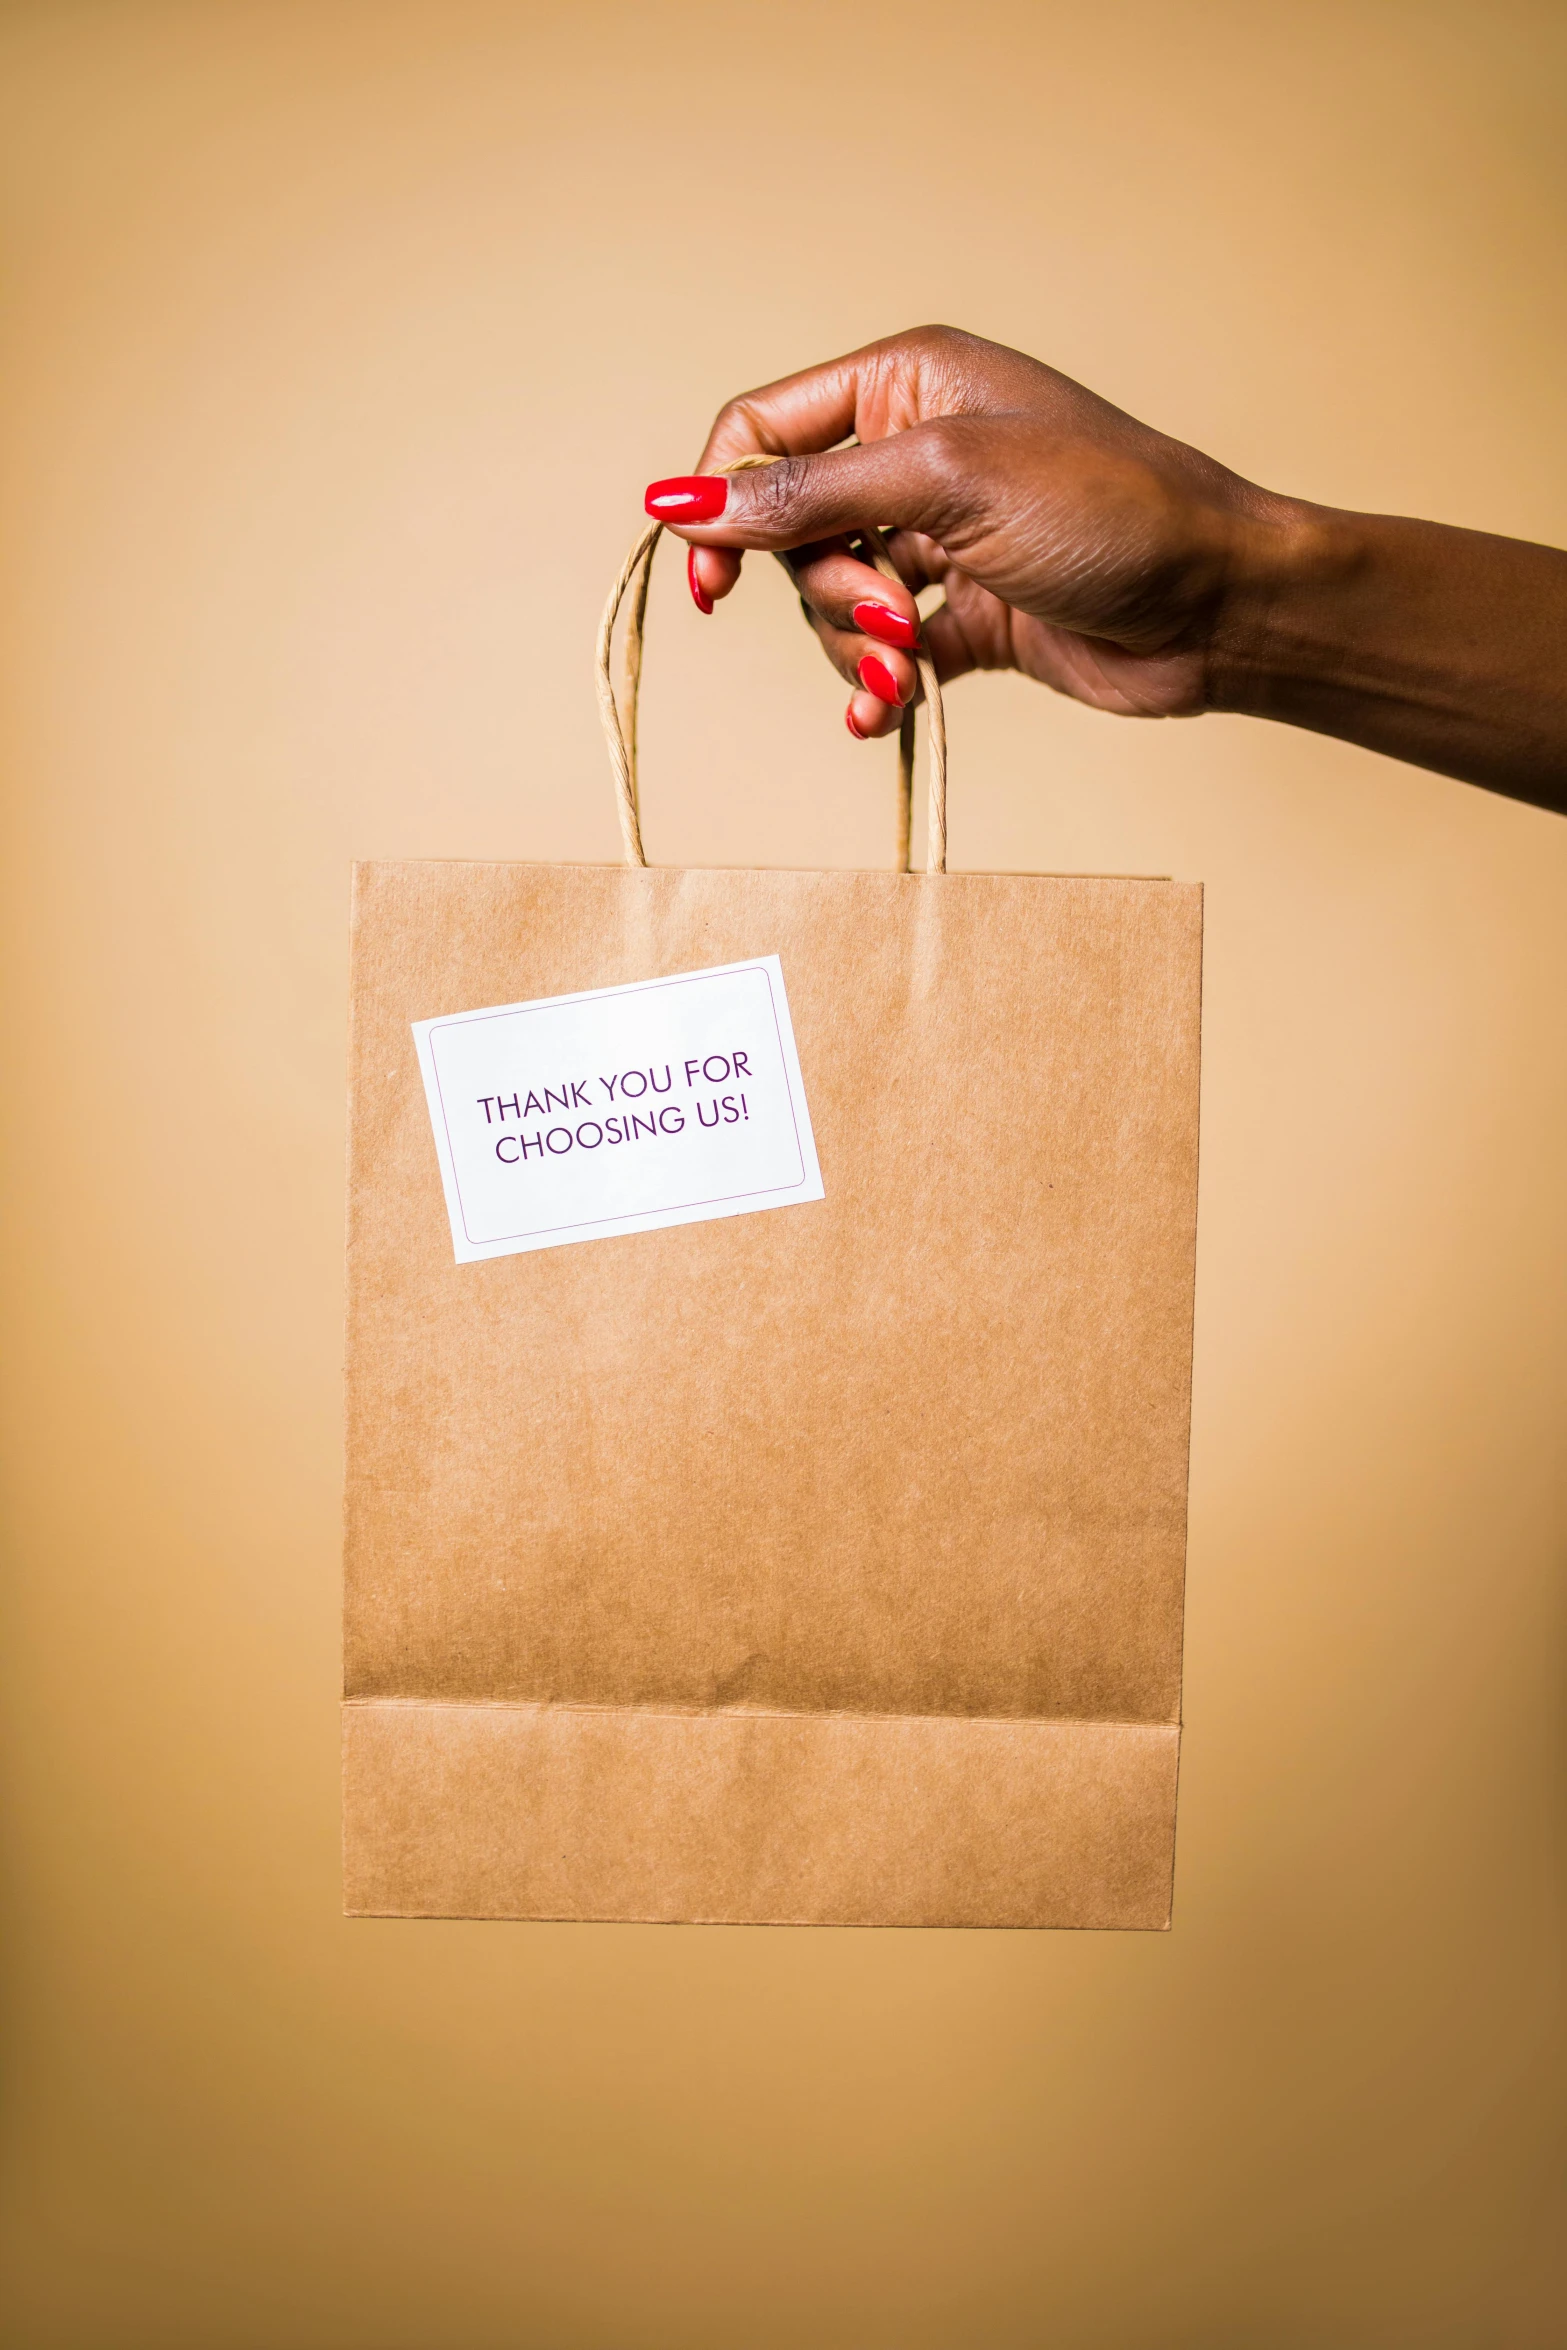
[(1072, 543)]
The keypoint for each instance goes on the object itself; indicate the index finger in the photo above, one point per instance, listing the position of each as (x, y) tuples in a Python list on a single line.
[(795, 416), (791, 418), (881, 388)]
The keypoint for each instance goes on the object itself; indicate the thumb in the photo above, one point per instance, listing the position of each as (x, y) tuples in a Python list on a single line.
[(909, 480)]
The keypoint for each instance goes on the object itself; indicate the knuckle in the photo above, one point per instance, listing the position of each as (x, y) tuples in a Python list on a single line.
[(736, 429), (921, 342), (947, 447), (776, 491), (734, 418), (950, 453)]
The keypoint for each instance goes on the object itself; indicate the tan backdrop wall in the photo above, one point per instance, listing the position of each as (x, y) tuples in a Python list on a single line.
[(342, 339)]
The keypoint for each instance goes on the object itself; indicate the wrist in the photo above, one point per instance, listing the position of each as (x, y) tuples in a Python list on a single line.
[(1428, 643), (1285, 617)]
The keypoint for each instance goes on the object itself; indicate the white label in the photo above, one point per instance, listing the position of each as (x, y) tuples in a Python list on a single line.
[(582, 1116)]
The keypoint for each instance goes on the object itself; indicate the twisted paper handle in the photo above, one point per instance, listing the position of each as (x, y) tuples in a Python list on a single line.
[(621, 733)]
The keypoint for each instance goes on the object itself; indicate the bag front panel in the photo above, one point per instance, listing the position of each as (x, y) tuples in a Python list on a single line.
[(920, 1447)]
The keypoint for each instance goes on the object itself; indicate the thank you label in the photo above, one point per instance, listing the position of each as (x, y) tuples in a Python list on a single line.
[(584, 1116)]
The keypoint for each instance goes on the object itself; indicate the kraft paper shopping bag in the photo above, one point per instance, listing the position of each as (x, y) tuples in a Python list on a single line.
[(770, 1311)]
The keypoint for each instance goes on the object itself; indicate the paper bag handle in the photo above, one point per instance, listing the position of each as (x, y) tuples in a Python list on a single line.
[(620, 733)]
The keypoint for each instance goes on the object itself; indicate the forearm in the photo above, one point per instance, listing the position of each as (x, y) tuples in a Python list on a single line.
[(1444, 647)]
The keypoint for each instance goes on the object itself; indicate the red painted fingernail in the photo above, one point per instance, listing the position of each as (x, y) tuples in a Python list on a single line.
[(879, 620), (848, 720), (689, 497), (878, 679), (699, 595)]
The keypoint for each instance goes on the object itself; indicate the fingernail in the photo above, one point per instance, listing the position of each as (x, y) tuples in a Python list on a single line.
[(879, 620), (848, 720), (689, 497), (699, 595), (878, 679)]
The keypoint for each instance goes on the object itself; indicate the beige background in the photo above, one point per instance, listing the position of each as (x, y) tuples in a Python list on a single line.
[(341, 341)]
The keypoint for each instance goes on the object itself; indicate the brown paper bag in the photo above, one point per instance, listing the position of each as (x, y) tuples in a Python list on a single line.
[(817, 1566)]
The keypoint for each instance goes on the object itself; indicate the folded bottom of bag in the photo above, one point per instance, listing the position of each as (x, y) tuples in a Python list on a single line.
[(749, 1818)]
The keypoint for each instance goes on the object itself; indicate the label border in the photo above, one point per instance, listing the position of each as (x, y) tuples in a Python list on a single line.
[(760, 965)]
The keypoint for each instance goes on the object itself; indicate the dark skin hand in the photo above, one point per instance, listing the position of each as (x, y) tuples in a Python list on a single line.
[(1122, 567)]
